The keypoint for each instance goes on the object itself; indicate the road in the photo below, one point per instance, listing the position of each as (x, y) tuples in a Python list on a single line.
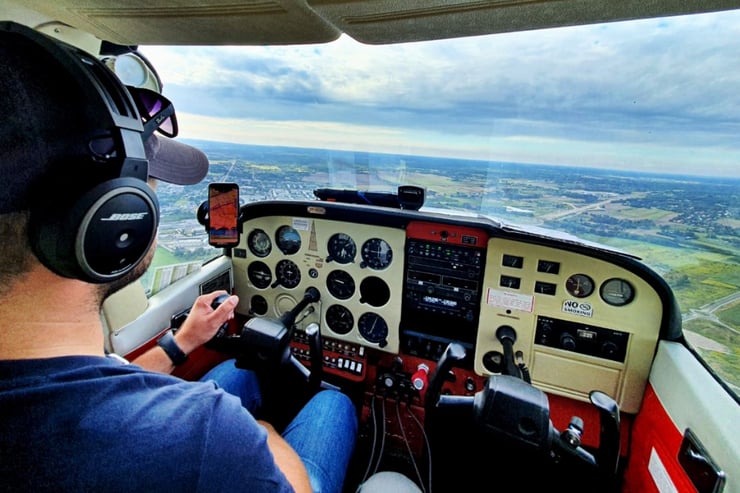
[(707, 311), (596, 205)]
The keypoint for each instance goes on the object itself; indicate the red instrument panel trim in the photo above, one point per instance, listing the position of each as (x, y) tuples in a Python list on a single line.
[(447, 233)]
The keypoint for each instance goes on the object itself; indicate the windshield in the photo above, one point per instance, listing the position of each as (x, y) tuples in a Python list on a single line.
[(625, 134)]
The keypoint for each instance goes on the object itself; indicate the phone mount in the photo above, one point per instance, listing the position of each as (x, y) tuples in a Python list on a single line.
[(203, 216)]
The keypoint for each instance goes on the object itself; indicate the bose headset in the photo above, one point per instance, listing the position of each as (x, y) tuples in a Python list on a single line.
[(95, 218)]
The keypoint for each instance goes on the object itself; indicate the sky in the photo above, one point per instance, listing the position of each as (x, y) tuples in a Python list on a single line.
[(648, 95)]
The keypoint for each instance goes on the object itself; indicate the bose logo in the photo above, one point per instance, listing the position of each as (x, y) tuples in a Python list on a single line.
[(132, 216)]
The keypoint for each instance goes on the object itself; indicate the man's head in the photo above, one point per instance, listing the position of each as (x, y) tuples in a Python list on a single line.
[(75, 161)]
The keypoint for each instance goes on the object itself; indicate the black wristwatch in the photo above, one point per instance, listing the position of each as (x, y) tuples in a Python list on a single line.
[(168, 343)]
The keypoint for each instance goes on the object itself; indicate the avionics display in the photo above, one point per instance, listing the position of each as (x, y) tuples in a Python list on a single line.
[(442, 289)]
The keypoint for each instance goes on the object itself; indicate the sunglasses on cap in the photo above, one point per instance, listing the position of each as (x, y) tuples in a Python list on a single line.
[(157, 112)]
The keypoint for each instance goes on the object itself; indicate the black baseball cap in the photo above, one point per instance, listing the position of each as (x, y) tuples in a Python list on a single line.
[(53, 124)]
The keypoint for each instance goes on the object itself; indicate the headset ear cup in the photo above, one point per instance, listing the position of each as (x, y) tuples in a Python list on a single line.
[(100, 237)]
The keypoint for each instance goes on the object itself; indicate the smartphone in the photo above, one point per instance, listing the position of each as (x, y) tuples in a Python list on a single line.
[(223, 214)]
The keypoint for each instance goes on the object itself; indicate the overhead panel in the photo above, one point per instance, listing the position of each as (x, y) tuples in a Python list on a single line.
[(192, 22), (390, 21), (283, 22)]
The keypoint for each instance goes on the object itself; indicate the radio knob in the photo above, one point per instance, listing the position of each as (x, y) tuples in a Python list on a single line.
[(609, 349), (568, 342)]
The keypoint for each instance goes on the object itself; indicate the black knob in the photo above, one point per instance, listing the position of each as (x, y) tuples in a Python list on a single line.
[(609, 349), (568, 342)]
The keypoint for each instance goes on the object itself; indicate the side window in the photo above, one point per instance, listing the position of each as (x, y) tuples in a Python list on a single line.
[(711, 325), (182, 242)]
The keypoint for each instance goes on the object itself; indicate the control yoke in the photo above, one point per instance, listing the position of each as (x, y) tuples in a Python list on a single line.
[(264, 343), (511, 408)]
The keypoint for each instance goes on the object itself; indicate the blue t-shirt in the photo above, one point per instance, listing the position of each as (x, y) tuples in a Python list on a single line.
[(85, 423)]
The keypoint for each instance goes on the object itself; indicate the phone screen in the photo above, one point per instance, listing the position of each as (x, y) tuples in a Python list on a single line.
[(223, 214)]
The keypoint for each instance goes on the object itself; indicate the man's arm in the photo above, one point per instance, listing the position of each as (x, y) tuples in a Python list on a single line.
[(287, 460), (199, 327)]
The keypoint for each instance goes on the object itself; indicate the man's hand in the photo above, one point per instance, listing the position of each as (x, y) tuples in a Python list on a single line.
[(203, 321), (199, 327)]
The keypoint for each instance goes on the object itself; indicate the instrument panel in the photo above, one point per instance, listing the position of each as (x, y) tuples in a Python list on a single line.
[(358, 271), (411, 282)]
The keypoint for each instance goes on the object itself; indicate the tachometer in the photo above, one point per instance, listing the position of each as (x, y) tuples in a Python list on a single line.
[(376, 254), (373, 328)]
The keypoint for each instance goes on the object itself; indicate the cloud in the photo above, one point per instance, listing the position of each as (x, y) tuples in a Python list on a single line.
[(618, 91)]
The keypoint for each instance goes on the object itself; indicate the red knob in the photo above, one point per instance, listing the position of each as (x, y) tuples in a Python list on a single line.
[(420, 377)]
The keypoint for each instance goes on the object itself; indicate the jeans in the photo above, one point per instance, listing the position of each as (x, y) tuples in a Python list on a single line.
[(323, 432)]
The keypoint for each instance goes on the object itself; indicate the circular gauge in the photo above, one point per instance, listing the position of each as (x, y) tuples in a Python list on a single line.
[(287, 274), (340, 284), (376, 254), (259, 274), (374, 291), (339, 319), (259, 243), (579, 285), (258, 305), (373, 328), (288, 240), (617, 292), (341, 248)]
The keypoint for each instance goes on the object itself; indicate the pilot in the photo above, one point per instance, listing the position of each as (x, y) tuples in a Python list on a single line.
[(74, 418)]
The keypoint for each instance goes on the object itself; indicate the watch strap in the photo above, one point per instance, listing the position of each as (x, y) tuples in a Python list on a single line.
[(169, 345)]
